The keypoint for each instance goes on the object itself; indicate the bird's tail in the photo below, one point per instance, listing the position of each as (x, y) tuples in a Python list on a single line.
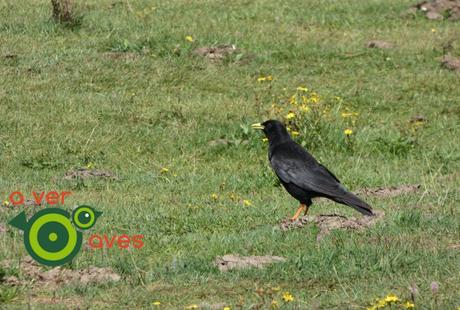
[(353, 201)]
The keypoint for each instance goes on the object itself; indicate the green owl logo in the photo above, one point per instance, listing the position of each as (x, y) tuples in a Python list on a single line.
[(52, 236)]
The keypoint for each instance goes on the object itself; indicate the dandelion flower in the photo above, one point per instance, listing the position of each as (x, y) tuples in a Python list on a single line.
[(433, 30), (304, 89), (408, 305), (391, 298), (189, 38), (314, 99), (295, 133), (304, 108), (290, 115), (156, 303), (90, 165), (265, 78), (247, 202), (227, 308), (191, 307), (348, 131), (287, 297), (5, 202), (164, 170), (214, 196), (265, 139)]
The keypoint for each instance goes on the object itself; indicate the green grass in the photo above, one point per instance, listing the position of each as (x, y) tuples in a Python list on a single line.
[(65, 104)]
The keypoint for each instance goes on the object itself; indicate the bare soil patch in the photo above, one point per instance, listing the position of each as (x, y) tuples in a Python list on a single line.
[(32, 273), (228, 262), (216, 53), (390, 191), (439, 9), (83, 173), (451, 63), (379, 44), (328, 222)]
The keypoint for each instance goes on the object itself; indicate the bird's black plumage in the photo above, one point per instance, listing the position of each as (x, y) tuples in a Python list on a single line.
[(302, 176)]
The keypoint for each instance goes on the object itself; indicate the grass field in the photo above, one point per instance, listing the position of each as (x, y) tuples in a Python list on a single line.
[(123, 91)]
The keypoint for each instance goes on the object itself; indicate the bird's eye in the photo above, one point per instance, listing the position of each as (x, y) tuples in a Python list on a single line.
[(84, 217)]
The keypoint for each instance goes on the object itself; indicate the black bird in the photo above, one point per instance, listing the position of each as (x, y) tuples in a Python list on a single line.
[(301, 175)]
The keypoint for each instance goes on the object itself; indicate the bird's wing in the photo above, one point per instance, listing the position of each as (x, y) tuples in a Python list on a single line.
[(294, 165)]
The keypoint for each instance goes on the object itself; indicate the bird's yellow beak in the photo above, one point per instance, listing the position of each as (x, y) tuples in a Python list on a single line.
[(257, 126)]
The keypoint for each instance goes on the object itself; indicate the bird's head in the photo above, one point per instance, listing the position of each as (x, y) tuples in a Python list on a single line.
[(274, 130)]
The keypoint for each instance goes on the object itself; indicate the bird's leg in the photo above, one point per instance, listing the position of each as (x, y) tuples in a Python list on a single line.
[(307, 207), (299, 210)]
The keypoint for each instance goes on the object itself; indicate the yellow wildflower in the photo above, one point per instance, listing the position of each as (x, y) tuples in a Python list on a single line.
[(191, 307), (227, 308), (156, 303), (247, 202), (304, 108), (293, 99), (348, 131), (164, 170), (314, 98), (214, 196), (265, 139), (290, 115), (300, 88), (391, 298), (265, 78), (348, 114), (295, 133), (276, 289), (5, 202), (287, 297), (409, 305), (189, 38), (89, 165), (433, 30)]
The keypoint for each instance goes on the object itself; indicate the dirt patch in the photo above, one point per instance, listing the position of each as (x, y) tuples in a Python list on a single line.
[(32, 273), (217, 52), (228, 262), (451, 63), (329, 222), (439, 9), (390, 191), (454, 246), (83, 173), (379, 44), (418, 119)]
